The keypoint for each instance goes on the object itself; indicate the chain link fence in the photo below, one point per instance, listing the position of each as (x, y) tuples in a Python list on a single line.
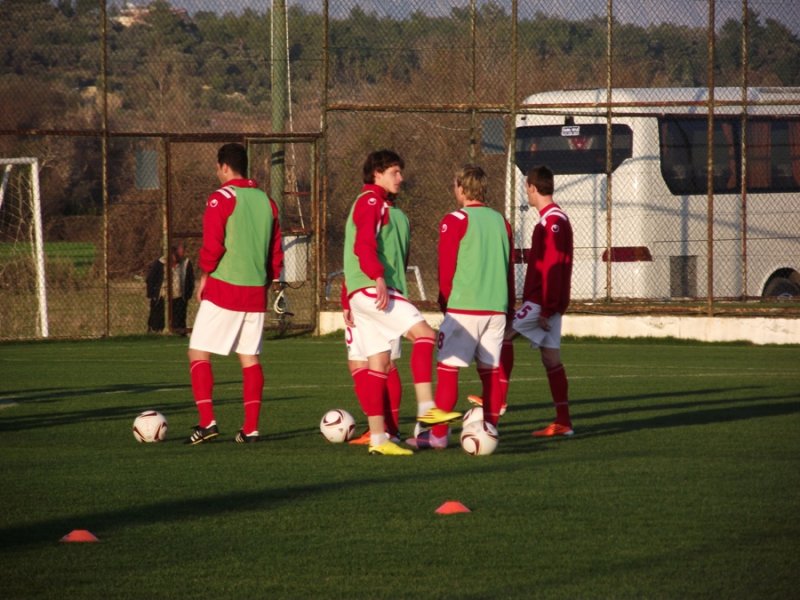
[(120, 107)]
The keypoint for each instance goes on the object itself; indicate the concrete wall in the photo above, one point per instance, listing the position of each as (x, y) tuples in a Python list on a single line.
[(758, 330)]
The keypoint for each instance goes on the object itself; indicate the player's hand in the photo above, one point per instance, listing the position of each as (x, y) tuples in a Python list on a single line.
[(382, 294), (544, 323), (348, 317), (198, 293)]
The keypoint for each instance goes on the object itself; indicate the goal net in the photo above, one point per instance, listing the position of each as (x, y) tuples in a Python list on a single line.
[(22, 260)]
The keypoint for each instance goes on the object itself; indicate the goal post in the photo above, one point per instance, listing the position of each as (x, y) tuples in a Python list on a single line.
[(28, 195)]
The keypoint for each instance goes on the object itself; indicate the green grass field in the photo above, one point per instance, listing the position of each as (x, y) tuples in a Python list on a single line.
[(81, 254), (683, 480)]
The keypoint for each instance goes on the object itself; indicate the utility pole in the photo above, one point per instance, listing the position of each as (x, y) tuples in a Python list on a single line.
[(280, 98)]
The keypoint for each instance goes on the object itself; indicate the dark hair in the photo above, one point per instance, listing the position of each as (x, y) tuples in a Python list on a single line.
[(235, 156), (542, 179), (379, 161)]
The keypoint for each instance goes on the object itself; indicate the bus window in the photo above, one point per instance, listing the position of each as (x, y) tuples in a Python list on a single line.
[(684, 154), (773, 154), (571, 149), (781, 157)]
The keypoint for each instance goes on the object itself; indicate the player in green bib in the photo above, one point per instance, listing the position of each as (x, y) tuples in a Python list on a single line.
[(476, 293), (375, 252)]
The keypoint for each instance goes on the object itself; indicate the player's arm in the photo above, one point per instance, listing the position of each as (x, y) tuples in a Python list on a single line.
[(512, 295), (275, 253), (346, 313), (201, 285), (218, 208), (554, 265), (367, 219), (451, 231)]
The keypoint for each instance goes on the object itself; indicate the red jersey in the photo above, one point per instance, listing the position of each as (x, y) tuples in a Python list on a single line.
[(549, 274), (245, 298)]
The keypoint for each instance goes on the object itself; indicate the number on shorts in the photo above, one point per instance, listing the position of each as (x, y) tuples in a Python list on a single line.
[(523, 312)]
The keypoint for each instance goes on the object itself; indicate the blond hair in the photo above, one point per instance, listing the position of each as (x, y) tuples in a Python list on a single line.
[(472, 180)]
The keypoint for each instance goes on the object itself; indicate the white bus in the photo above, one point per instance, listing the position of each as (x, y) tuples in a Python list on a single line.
[(659, 200)]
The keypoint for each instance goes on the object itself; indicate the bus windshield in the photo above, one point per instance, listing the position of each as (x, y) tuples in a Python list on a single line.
[(571, 149)]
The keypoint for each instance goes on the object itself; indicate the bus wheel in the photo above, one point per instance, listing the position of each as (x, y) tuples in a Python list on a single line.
[(782, 288)]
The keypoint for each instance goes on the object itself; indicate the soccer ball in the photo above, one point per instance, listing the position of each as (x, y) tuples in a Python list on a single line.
[(150, 426), (473, 415), (337, 425), (479, 438)]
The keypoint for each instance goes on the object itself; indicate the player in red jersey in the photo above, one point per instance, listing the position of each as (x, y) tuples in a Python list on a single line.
[(358, 365), (546, 295), (240, 256), (476, 293), (376, 247)]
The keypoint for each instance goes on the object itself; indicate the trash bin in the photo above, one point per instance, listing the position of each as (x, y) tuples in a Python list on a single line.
[(295, 256)]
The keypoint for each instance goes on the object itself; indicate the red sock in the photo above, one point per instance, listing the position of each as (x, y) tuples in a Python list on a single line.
[(202, 378), (360, 377), (486, 385), (506, 366), (446, 393), (559, 388), (492, 395), (252, 390), (422, 360), (375, 388), (394, 394)]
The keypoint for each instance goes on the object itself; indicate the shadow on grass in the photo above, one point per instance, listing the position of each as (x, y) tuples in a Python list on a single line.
[(723, 411), (680, 414), (105, 524), (133, 403)]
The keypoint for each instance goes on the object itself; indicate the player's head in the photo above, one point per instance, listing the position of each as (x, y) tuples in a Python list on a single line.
[(379, 161), (472, 181), (542, 179), (234, 156)]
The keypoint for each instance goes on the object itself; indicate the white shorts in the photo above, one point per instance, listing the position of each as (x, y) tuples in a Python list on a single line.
[(379, 327), (526, 323), (220, 330), (463, 338), (355, 350)]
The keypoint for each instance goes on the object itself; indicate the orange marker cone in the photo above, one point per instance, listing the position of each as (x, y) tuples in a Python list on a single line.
[(79, 535), (452, 507)]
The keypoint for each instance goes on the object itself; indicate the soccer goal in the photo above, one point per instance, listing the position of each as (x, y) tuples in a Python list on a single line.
[(22, 260)]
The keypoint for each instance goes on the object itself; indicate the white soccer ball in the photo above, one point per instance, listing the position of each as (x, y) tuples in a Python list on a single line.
[(473, 415), (337, 426), (150, 426), (479, 438)]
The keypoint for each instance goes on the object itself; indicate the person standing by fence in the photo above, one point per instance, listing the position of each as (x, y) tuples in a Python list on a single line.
[(241, 254), (182, 288)]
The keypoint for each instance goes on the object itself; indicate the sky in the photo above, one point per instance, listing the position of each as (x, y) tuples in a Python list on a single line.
[(640, 12)]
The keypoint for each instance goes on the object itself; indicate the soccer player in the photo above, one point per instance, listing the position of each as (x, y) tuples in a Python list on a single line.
[(358, 366), (476, 293), (546, 294), (376, 245), (241, 254)]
